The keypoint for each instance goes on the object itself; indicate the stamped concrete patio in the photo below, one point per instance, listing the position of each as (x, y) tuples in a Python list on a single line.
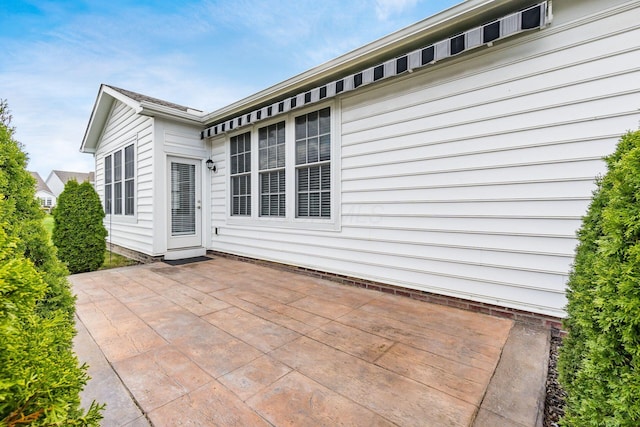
[(230, 343)]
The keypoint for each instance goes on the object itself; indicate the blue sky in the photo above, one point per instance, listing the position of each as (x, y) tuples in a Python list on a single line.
[(54, 54)]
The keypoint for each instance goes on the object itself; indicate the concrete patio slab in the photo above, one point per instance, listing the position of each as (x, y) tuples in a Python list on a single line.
[(225, 342), (105, 386)]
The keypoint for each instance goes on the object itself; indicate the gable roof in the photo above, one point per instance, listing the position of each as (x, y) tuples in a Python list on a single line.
[(66, 176), (40, 184), (142, 104), (144, 98)]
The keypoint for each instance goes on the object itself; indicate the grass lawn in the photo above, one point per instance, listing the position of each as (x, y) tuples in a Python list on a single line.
[(111, 260), (48, 224), (114, 260)]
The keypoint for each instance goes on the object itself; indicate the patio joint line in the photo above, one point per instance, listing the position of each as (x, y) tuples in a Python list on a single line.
[(486, 389), (115, 371)]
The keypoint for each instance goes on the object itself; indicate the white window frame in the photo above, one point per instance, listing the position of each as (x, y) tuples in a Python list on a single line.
[(244, 174), (108, 202), (319, 163), (290, 220), (123, 180), (129, 180), (118, 179), (271, 170)]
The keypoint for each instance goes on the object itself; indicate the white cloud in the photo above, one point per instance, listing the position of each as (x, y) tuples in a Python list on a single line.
[(387, 8), (205, 54), (51, 83)]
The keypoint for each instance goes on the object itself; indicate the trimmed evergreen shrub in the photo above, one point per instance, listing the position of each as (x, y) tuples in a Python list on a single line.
[(40, 378), (78, 231), (599, 363)]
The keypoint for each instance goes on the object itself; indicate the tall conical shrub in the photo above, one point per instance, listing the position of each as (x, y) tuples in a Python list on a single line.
[(78, 231), (599, 362)]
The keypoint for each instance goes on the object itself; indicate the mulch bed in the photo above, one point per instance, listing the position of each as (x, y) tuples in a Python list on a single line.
[(555, 400)]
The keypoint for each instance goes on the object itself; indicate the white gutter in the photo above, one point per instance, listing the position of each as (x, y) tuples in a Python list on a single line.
[(150, 109)]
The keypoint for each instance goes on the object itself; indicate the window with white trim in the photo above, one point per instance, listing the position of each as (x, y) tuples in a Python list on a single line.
[(241, 174), (313, 164), (271, 153), (119, 182), (108, 184), (129, 181)]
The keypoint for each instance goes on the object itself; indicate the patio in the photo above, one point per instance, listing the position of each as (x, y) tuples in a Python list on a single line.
[(225, 342)]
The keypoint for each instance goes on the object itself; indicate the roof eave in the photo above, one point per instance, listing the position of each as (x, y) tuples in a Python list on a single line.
[(100, 113), (98, 117), (155, 110), (102, 107), (385, 46)]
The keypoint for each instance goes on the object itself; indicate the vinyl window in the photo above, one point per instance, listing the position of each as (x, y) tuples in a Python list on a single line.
[(108, 184), (313, 164), (271, 152), (119, 182), (241, 174)]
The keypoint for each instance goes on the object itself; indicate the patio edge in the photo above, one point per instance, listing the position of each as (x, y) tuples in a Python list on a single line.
[(516, 393), (535, 320)]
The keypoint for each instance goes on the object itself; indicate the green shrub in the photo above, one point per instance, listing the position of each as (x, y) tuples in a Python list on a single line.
[(40, 378), (78, 231), (599, 362)]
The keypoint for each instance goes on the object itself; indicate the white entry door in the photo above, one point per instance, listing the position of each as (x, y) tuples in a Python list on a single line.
[(185, 203)]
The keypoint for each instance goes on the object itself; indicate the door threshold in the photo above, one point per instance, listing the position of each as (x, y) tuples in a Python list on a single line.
[(174, 254)]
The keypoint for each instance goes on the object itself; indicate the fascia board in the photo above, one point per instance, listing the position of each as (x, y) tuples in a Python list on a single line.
[(102, 107), (154, 110), (97, 120)]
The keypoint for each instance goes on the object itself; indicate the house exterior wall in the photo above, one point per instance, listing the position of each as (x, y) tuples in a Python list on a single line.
[(468, 178), (124, 127), (46, 199), (55, 184)]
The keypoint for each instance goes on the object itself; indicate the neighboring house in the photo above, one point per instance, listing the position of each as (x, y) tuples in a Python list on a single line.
[(58, 179), (455, 156), (44, 193)]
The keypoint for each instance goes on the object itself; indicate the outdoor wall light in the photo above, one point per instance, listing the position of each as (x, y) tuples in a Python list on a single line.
[(211, 166)]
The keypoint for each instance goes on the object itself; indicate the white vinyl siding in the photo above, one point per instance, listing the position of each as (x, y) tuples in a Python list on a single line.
[(124, 126), (470, 178)]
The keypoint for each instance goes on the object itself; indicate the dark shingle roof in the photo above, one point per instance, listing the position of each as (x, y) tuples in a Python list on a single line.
[(65, 176), (140, 97), (40, 184)]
